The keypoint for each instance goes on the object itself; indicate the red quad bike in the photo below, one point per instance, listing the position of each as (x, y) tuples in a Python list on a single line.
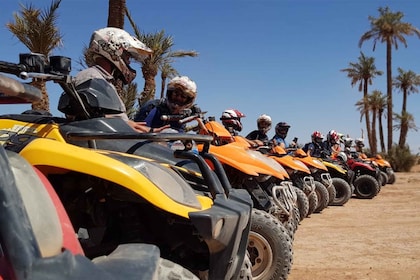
[(37, 239), (366, 177)]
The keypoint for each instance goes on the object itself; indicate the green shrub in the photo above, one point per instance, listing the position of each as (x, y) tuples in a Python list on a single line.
[(401, 159)]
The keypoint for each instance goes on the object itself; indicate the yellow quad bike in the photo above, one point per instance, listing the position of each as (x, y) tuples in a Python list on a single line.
[(115, 198), (38, 240), (342, 180)]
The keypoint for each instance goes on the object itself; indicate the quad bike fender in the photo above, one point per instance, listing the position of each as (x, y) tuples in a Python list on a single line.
[(313, 162), (237, 157), (335, 167), (53, 156), (69, 240), (292, 163), (222, 154), (14, 128)]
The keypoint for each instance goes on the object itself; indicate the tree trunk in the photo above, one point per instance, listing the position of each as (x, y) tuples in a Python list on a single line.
[(404, 121), (373, 135), (403, 132), (116, 13), (44, 103), (367, 116), (381, 131), (149, 90), (162, 89), (389, 90)]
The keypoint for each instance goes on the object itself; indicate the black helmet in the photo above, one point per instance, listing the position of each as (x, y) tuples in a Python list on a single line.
[(282, 128)]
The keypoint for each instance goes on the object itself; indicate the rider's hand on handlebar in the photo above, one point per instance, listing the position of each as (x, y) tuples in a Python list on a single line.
[(143, 128)]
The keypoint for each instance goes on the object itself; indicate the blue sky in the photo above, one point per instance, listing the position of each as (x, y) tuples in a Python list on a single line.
[(281, 58)]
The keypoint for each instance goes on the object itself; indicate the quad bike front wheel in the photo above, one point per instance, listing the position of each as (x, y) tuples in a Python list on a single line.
[(391, 176), (384, 178), (246, 270), (269, 247), (302, 203), (366, 187), (323, 196), (331, 193), (343, 192), (313, 202)]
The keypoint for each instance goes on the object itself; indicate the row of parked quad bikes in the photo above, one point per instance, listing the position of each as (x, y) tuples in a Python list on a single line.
[(213, 208)]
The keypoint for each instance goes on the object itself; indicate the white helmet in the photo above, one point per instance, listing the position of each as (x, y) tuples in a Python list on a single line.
[(359, 142), (183, 87), (342, 156), (348, 142), (264, 123), (232, 118), (117, 46)]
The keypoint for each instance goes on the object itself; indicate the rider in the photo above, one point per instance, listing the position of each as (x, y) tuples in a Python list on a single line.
[(264, 125), (359, 145), (180, 95), (231, 119), (332, 144), (282, 128), (112, 49), (315, 148)]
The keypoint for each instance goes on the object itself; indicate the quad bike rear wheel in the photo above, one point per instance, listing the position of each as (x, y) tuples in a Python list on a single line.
[(323, 197), (366, 187), (343, 192), (269, 247)]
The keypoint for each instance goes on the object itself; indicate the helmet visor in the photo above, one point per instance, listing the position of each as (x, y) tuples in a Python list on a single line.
[(178, 97), (264, 126)]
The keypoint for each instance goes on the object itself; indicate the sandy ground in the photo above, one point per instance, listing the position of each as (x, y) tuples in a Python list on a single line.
[(364, 239)]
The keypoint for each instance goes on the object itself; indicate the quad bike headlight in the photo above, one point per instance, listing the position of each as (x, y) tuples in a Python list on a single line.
[(164, 178)]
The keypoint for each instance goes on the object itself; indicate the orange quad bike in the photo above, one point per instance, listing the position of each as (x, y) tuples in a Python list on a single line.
[(267, 182), (308, 199), (319, 171), (321, 180), (275, 216)]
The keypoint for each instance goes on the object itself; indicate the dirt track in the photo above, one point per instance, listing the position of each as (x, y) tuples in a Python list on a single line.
[(364, 239)]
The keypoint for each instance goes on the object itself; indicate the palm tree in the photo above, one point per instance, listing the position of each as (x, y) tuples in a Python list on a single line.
[(116, 13), (38, 31), (378, 101), (166, 71), (161, 46), (362, 73), (407, 82), (388, 28), (405, 123)]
